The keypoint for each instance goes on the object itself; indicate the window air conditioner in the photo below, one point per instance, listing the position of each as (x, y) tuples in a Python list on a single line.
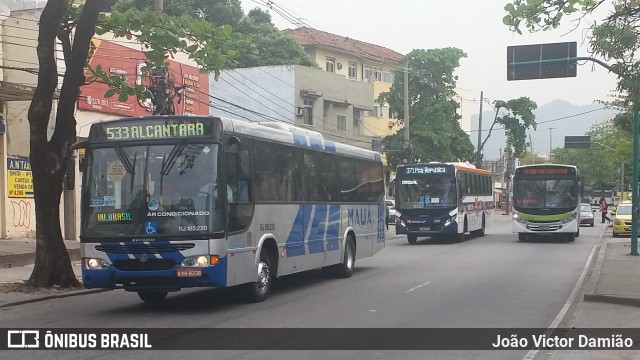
[(301, 111)]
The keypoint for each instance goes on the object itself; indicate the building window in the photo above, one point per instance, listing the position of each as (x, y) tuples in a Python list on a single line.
[(357, 117), (373, 73), (331, 64), (342, 123), (308, 114), (353, 72), (387, 77)]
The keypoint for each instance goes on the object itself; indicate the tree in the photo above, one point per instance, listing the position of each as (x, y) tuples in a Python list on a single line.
[(435, 132), (615, 37), (211, 47), (267, 45), (217, 12), (263, 43), (517, 119), (600, 166)]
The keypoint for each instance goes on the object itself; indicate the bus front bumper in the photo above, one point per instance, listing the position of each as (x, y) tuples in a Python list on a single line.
[(448, 228), (544, 228), (173, 279)]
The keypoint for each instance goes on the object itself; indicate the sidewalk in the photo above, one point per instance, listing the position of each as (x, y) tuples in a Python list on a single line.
[(16, 264)]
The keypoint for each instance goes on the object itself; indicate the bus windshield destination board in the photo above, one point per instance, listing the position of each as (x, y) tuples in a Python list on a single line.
[(156, 129)]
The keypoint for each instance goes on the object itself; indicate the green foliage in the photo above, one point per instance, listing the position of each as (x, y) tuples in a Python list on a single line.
[(162, 36), (517, 117), (217, 12), (601, 164), (266, 45), (435, 132), (615, 37)]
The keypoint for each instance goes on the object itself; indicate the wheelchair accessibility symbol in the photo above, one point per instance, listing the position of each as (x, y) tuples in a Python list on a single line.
[(150, 227)]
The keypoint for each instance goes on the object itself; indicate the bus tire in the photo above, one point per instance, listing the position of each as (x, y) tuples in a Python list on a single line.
[(258, 291), (481, 232), (155, 297), (571, 238), (522, 236), (345, 269), (578, 233), (412, 239)]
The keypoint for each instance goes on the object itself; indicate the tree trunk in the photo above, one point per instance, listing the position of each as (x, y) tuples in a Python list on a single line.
[(49, 158)]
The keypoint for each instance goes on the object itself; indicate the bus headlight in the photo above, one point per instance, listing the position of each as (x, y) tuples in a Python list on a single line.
[(519, 219), (198, 260), (95, 263), (452, 219), (569, 219)]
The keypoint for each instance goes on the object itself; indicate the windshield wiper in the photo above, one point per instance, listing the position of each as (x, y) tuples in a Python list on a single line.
[(168, 162), (123, 158)]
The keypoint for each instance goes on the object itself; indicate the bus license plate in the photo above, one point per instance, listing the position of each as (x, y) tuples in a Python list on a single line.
[(188, 273), (543, 227), (425, 228)]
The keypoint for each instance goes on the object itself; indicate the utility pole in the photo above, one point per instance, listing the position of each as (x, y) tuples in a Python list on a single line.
[(406, 146), (550, 141), (479, 153), (533, 156)]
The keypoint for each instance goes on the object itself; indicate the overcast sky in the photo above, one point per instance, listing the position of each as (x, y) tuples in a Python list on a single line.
[(475, 26)]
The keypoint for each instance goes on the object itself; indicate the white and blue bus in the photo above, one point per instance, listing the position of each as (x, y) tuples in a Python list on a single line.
[(442, 200), (173, 202), (546, 201)]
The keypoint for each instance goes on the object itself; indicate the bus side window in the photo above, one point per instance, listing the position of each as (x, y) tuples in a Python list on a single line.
[(238, 170)]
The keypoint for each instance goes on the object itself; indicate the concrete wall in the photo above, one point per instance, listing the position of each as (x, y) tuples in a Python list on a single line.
[(19, 41)]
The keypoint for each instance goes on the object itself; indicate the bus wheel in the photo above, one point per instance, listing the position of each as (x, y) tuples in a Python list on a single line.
[(572, 237), (345, 270), (578, 233), (412, 239), (259, 290), (481, 232), (152, 297), (522, 236)]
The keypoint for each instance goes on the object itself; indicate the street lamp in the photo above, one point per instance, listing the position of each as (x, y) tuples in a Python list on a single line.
[(550, 142)]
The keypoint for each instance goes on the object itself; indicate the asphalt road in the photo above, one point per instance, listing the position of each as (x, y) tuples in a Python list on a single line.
[(489, 282)]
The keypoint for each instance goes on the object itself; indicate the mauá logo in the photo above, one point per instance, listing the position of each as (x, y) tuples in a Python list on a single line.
[(360, 216)]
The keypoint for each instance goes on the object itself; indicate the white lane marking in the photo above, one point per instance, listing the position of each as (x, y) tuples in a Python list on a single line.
[(417, 287), (554, 324)]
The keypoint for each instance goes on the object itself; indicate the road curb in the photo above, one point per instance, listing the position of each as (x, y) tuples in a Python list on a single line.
[(590, 288), (37, 298), (611, 299)]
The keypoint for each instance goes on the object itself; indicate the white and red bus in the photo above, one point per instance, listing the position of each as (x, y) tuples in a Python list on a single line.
[(446, 200)]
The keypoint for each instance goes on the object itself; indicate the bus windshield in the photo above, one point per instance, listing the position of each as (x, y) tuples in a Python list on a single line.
[(545, 194), (426, 193), (152, 190)]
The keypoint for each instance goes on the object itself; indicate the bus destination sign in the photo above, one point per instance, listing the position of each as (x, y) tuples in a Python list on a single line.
[(130, 130), (546, 171), (422, 169)]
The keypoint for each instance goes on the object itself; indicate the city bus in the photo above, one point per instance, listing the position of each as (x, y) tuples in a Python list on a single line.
[(174, 202), (446, 200), (546, 200)]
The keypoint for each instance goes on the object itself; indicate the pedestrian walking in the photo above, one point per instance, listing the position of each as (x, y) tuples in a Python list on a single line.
[(603, 210), (386, 218)]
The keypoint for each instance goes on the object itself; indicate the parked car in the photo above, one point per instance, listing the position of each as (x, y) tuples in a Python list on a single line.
[(391, 208), (586, 214), (622, 219)]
